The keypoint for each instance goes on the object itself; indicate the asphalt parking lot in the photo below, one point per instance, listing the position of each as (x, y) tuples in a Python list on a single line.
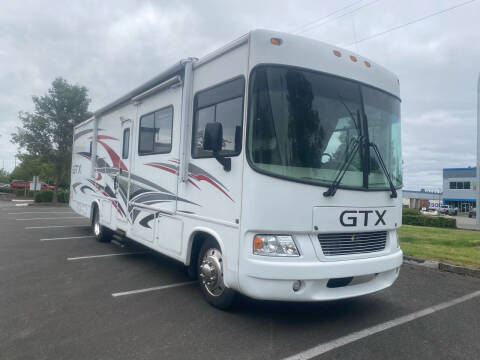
[(65, 296)]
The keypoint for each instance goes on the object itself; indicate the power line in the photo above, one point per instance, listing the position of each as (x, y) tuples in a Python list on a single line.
[(337, 17), (301, 28), (410, 23)]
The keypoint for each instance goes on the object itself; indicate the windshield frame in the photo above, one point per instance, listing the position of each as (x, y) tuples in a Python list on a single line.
[(297, 180)]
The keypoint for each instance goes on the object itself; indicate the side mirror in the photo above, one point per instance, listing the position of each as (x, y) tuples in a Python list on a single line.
[(213, 140), (213, 137)]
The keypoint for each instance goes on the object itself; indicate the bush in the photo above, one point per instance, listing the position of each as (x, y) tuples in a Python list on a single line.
[(21, 193), (407, 211), (44, 196), (63, 196), (433, 221)]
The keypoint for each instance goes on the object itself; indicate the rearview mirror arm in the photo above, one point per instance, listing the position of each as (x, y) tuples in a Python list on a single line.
[(226, 162)]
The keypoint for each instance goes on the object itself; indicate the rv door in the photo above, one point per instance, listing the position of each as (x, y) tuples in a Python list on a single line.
[(122, 178), (153, 183)]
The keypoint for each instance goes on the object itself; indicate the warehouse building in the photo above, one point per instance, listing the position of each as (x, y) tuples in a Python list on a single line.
[(460, 187), (421, 199)]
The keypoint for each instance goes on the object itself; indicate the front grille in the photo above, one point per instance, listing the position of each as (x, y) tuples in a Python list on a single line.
[(352, 243)]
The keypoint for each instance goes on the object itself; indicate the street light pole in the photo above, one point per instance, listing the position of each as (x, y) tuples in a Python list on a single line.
[(478, 152)]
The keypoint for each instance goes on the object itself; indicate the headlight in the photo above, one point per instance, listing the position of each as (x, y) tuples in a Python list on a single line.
[(274, 245)]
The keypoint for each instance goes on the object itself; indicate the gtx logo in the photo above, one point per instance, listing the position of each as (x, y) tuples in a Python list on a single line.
[(354, 217)]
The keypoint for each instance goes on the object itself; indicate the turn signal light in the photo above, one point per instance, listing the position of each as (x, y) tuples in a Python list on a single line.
[(257, 243)]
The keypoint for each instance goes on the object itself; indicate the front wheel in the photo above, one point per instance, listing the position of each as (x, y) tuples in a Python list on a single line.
[(102, 233), (210, 275)]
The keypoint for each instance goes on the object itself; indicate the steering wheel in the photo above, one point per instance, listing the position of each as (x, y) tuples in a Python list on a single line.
[(325, 154), (337, 163)]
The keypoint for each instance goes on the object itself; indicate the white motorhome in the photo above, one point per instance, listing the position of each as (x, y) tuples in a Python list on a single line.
[(269, 167)]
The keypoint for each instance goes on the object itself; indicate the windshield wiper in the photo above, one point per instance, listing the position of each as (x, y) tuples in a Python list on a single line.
[(384, 169), (332, 189), (340, 98)]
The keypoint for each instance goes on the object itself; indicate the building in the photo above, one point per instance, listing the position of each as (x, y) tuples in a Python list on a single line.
[(421, 199), (460, 187)]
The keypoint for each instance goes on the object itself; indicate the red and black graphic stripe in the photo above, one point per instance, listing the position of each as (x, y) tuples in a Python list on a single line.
[(195, 173)]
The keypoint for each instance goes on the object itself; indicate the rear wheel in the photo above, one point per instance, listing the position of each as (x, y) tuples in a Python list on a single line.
[(210, 275), (102, 233)]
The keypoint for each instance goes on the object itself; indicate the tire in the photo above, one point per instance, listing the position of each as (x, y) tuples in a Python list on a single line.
[(102, 234), (210, 276)]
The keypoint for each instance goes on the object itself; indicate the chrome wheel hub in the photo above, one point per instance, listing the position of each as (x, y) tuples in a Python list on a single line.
[(96, 228), (211, 272)]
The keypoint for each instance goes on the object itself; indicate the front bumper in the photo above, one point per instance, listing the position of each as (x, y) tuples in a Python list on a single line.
[(273, 280)]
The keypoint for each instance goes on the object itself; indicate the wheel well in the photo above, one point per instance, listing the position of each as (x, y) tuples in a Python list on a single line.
[(199, 238)]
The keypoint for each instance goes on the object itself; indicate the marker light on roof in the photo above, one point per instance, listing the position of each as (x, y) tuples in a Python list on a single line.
[(367, 64), (276, 41), (337, 53), (353, 58)]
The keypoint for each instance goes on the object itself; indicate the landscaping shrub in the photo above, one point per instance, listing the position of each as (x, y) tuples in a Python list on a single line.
[(408, 211), (44, 196), (21, 193), (433, 221), (63, 196)]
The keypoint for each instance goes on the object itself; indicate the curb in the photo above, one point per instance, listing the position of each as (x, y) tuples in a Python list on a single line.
[(442, 266), (48, 204), (459, 270)]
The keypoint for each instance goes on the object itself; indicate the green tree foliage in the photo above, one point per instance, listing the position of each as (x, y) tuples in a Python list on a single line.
[(33, 165), (4, 176), (47, 132)]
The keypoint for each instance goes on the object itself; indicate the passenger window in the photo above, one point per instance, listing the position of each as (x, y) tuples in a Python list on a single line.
[(224, 104), (126, 143), (155, 134)]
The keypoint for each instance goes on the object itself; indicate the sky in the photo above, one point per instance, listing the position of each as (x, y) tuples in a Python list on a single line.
[(113, 46)]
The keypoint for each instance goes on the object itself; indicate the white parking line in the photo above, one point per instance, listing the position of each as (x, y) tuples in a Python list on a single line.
[(55, 218), (153, 288), (106, 255), (54, 226), (68, 238), (40, 212), (344, 340)]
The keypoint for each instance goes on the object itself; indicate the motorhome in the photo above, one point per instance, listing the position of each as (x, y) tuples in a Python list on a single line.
[(270, 167)]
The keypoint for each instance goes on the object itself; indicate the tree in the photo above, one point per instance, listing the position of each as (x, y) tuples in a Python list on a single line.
[(4, 176), (31, 165), (47, 132)]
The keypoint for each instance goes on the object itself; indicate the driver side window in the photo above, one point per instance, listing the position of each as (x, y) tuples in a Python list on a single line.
[(223, 104)]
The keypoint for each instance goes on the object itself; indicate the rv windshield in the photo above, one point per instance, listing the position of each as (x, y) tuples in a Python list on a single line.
[(302, 125)]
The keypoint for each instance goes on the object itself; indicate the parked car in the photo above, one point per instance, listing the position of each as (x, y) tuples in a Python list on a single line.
[(4, 186), (448, 210), (472, 213), (429, 211), (19, 184), (44, 186), (22, 184)]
